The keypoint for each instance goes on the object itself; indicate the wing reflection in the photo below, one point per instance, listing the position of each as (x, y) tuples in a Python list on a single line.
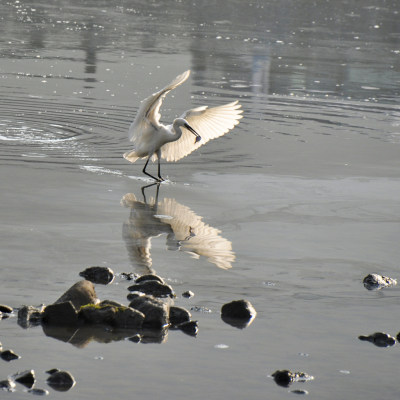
[(185, 231)]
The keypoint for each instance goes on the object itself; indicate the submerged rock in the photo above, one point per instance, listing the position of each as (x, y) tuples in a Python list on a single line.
[(188, 294), (60, 314), (80, 294), (38, 392), (238, 313), (379, 339), (178, 315), (129, 276), (377, 282), (29, 316), (116, 316), (102, 275), (61, 381), (9, 355), (285, 377), (7, 385), (152, 287), (26, 378), (156, 312)]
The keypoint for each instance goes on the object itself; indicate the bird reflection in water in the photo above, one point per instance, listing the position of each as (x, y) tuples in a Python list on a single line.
[(184, 231)]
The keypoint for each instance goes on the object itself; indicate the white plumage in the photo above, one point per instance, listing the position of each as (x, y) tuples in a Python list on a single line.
[(154, 140)]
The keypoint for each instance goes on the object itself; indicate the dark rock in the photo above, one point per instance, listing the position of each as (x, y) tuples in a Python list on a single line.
[(135, 338), (149, 277), (379, 339), (152, 287), (6, 309), (60, 314), (110, 303), (102, 275), (156, 312), (61, 381), (118, 317), (238, 313), (9, 355), (7, 385), (79, 295), (191, 328), (188, 294), (38, 392), (283, 378), (178, 315), (51, 371), (128, 276), (26, 378), (377, 282), (29, 316)]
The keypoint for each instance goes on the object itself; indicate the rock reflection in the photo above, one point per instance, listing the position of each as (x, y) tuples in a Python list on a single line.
[(185, 231)]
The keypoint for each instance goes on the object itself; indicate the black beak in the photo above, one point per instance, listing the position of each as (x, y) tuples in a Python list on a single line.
[(198, 137)]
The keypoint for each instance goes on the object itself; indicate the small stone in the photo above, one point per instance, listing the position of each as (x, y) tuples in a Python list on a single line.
[(149, 277), (60, 314), (6, 309), (101, 275), (7, 385), (156, 312), (80, 294), (38, 392), (129, 276), (152, 287), (26, 378), (191, 328), (379, 339), (9, 355), (377, 282), (238, 313), (188, 294), (178, 315), (61, 381), (29, 316), (283, 378)]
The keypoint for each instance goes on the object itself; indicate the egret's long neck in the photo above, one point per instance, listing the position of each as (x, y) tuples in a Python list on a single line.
[(177, 130)]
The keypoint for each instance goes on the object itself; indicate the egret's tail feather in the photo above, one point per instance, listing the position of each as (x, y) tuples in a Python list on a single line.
[(131, 156)]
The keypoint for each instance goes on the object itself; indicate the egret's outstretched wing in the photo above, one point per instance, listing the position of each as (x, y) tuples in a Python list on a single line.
[(209, 123), (149, 110)]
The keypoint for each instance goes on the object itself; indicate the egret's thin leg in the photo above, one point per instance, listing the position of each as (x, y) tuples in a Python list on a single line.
[(147, 186), (159, 166), (144, 170)]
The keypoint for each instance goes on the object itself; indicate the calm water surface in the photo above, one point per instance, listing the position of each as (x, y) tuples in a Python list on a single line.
[(290, 211)]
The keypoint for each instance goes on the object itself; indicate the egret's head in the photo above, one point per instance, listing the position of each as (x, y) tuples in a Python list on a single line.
[(185, 124)]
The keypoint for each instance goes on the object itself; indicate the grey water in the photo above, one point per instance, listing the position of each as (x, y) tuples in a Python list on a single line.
[(290, 210)]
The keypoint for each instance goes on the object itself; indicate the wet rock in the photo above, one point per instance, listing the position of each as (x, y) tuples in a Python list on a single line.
[(135, 338), (60, 314), (285, 377), (156, 312), (238, 313), (38, 392), (80, 294), (6, 309), (51, 371), (118, 317), (1, 347), (7, 385), (149, 277), (127, 276), (110, 303), (152, 287), (26, 378), (101, 275), (61, 381), (191, 328), (379, 339), (29, 316), (9, 355), (377, 282), (188, 294), (178, 315)]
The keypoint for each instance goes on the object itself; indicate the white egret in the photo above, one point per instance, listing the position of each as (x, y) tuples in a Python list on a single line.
[(154, 140)]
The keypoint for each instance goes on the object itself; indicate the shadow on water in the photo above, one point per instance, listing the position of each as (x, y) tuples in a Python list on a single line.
[(184, 230)]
